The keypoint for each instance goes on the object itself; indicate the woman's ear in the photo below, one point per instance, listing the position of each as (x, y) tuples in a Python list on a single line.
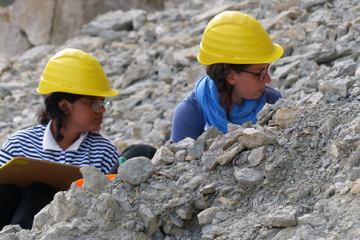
[(231, 78), (64, 106)]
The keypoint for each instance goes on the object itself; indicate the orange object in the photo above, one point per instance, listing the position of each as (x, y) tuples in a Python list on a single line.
[(80, 182)]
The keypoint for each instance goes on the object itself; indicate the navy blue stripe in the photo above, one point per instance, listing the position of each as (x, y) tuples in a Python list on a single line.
[(95, 150)]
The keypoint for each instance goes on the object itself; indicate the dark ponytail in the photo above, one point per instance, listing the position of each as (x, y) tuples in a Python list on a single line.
[(52, 111)]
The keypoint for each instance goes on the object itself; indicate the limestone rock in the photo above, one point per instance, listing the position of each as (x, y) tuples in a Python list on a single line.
[(217, 148), (207, 215), (136, 170), (149, 218), (230, 153), (285, 117), (194, 183), (311, 219), (356, 189), (336, 86), (94, 179), (257, 156), (252, 138), (248, 177), (163, 156), (286, 219)]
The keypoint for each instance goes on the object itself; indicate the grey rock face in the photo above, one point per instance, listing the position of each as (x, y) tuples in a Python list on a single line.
[(15, 43), (37, 29)]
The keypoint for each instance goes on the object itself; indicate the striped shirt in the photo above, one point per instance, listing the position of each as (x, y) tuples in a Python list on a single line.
[(94, 150)]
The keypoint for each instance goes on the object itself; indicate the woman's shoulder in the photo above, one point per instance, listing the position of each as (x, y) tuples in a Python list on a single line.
[(36, 131), (272, 95), (188, 119), (96, 138), (189, 108), (190, 102), (191, 98)]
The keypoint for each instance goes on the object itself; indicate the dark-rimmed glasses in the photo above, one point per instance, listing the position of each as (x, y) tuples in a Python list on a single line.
[(261, 75), (98, 104)]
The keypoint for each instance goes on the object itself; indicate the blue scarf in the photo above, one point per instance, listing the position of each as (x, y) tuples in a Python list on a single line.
[(207, 95)]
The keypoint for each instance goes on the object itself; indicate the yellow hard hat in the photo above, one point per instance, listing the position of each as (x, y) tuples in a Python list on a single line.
[(77, 72), (237, 38)]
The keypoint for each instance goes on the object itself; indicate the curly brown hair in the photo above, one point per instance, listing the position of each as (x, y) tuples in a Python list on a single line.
[(218, 73)]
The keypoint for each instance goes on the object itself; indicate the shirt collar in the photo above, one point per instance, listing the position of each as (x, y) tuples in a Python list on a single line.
[(49, 142)]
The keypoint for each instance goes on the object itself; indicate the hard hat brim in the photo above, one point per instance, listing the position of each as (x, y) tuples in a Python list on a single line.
[(207, 58), (46, 87)]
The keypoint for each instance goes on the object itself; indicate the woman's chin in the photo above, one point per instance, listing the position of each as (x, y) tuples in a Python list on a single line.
[(95, 128)]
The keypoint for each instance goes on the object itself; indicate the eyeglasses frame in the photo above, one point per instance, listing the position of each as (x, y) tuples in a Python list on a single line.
[(106, 105), (258, 74)]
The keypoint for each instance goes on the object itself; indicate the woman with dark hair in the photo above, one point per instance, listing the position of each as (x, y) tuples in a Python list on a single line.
[(237, 52), (76, 87)]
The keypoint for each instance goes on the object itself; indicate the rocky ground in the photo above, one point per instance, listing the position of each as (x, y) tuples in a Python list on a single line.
[(293, 175)]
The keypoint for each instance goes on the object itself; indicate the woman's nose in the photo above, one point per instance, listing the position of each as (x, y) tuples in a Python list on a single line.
[(102, 109), (267, 78)]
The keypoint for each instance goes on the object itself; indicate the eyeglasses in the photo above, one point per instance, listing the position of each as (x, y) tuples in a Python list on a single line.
[(98, 104), (261, 75)]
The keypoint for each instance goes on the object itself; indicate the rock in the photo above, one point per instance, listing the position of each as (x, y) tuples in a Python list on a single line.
[(257, 156), (305, 232), (172, 230), (135, 170), (194, 183), (252, 138), (346, 68), (5, 64), (180, 155), (228, 155), (177, 202), (150, 219), (248, 177), (207, 215), (210, 188), (117, 21), (184, 214), (330, 192), (163, 156), (336, 86), (355, 174), (182, 145), (209, 158), (94, 179), (176, 220), (311, 219), (286, 219), (286, 233), (356, 189), (285, 117)]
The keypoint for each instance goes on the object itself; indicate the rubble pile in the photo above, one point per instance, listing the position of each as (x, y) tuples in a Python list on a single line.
[(293, 175)]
